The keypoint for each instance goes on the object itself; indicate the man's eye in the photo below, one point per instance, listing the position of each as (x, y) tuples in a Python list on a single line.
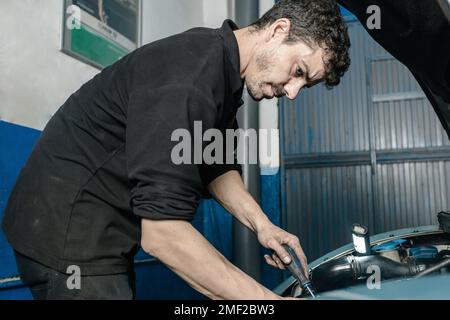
[(299, 72)]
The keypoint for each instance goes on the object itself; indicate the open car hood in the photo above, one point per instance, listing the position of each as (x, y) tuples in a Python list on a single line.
[(417, 33)]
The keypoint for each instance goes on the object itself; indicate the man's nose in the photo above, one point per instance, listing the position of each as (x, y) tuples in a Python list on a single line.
[(292, 89)]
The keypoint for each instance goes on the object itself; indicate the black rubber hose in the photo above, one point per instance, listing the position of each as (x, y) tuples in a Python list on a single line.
[(389, 269), (334, 274), (347, 270)]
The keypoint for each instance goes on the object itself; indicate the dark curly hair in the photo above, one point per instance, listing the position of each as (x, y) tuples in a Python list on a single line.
[(315, 22)]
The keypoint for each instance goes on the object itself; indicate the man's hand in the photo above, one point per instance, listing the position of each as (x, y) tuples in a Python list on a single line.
[(230, 191), (272, 237)]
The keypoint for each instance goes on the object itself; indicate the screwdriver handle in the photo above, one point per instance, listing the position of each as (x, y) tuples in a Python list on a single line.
[(295, 267)]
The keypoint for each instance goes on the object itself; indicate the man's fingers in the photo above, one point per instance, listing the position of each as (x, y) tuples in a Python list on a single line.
[(272, 262), (278, 243), (278, 261), (280, 251)]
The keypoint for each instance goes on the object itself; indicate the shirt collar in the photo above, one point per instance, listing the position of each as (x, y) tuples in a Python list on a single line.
[(232, 52)]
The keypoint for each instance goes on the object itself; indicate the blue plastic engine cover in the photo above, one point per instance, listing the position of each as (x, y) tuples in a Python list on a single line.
[(423, 252), (391, 245)]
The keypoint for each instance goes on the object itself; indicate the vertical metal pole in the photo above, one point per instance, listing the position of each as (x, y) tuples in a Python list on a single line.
[(231, 8), (374, 223), (246, 248)]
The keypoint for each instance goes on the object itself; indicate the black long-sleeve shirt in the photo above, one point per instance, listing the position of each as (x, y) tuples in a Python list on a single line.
[(103, 161)]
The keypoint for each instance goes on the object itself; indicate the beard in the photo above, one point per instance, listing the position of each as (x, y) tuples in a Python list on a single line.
[(255, 82), (254, 91)]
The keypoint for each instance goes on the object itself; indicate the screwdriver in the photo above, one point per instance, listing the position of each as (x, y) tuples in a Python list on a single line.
[(295, 267)]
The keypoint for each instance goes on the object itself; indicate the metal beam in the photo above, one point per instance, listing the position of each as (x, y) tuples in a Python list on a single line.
[(364, 158), (400, 96), (246, 249)]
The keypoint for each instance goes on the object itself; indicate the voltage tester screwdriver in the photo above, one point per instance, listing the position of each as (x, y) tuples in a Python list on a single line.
[(296, 269)]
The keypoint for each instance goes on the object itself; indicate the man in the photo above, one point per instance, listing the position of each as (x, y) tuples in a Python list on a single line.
[(101, 181)]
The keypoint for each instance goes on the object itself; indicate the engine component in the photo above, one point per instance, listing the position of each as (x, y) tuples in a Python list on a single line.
[(444, 221), (349, 269), (437, 267), (391, 249), (403, 254), (424, 252), (390, 245)]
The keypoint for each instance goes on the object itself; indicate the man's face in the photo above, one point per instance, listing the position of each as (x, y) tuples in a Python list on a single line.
[(281, 69)]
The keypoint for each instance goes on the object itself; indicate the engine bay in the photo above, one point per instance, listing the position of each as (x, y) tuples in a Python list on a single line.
[(406, 256)]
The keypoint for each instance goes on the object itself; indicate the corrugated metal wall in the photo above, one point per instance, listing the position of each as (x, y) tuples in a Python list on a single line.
[(370, 151)]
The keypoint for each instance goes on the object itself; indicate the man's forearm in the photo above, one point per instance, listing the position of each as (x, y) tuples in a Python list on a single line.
[(230, 191), (185, 251)]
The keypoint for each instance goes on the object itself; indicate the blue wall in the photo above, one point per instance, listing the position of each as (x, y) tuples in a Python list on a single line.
[(15, 146), (271, 205)]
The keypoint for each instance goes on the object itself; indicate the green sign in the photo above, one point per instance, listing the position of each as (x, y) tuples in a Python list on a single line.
[(101, 32)]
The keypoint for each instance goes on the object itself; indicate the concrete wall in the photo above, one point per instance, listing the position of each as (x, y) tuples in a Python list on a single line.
[(35, 77), (164, 18), (215, 11)]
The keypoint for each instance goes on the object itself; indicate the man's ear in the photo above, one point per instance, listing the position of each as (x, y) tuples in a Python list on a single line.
[(279, 28)]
